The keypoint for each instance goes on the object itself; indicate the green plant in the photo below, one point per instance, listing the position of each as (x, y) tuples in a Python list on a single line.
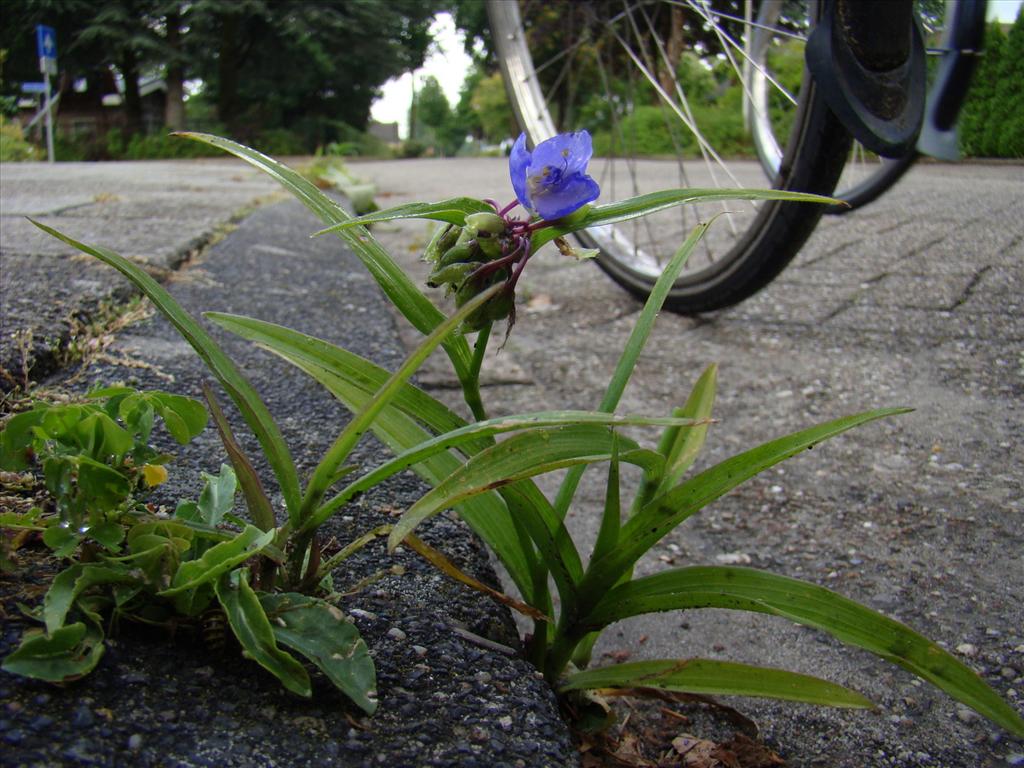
[(490, 482), (327, 171), (94, 457), (13, 147)]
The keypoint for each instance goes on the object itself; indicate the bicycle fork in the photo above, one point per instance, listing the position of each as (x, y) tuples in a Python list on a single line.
[(868, 59)]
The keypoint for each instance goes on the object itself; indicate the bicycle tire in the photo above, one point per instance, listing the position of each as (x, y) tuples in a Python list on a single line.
[(953, 40), (812, 162)]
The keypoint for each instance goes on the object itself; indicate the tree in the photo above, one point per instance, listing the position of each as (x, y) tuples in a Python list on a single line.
[(125, 31), (433, 109), (492, 108), (309, 65), (306, 63), (980, 107), (1009, 94)]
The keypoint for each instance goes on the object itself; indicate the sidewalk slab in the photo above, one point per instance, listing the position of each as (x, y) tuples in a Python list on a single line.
[(155, 213)]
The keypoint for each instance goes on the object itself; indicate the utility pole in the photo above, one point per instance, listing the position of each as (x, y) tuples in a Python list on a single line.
[(46, 43)]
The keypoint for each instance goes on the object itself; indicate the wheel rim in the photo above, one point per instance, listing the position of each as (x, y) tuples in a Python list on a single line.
[(865, 174), (624, 38)]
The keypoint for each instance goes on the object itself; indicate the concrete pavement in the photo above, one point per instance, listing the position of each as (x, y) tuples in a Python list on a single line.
[(156, 213)]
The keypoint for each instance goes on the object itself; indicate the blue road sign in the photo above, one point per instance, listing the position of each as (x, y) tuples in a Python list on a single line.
[(33, 87), (46, 44)]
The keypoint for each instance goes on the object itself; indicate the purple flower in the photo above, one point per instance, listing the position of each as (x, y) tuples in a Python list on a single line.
[(552, 181)]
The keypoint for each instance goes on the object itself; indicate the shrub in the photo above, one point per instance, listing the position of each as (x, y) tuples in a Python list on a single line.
[(13, 147)]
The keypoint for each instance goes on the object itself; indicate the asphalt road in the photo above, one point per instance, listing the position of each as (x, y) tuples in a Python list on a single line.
[(915, 300)]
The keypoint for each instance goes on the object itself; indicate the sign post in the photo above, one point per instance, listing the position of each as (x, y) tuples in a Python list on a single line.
[(46, 43)]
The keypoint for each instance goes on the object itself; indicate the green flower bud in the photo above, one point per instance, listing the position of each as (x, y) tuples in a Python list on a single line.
[(485, 224), (453, 274), (500, 306), (443, 239), (458, 253), (491, 247)]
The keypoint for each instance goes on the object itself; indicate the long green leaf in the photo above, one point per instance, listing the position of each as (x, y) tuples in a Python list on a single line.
[(611, 516), (722, 678), (352, 380), (237, 386), (485, 514), (251, 626), (362, 419), (319, 632), (683, 446), (679, 446), (631, 352), (453, 211), (521, 456), (260, 509), (752, 590), (645, 205), (397, 286), (473, 432), (61, 656), (668, 510), (294, 347), (218, 560)]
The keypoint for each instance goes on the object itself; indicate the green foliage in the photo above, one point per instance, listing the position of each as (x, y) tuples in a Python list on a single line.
[(95, 457), (655, 130), (490, 104), (992, 121), (307, 63), (177, 567), (490, 484), (352, 142), (595, 595), (329, 171), (13, 147)]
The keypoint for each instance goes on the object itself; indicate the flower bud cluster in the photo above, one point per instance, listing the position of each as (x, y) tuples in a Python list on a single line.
[(470, 259)]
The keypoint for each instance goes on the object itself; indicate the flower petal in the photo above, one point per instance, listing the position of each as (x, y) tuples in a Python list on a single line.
[(569, 153), (571, 195), (581, 149), (518, 162)]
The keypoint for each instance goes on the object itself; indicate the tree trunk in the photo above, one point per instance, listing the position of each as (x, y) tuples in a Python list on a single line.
[(174, 107), (673, 52), (132, 97), (227, 69)]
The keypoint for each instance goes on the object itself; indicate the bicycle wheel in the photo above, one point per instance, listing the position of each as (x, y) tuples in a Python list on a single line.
[(952, 32), (651, 80)]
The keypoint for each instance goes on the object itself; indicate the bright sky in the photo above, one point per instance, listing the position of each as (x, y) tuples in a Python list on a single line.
[(448, 62), (1004, 10)]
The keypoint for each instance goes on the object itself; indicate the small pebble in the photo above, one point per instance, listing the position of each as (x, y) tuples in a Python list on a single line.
[(733, 558), (14, 736), (396, 634), (135, 742), (41, 723), (419, 650), (1015, 760), (82, 718), (966, 649), (965, 715), (505, 721), (359, 613)]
